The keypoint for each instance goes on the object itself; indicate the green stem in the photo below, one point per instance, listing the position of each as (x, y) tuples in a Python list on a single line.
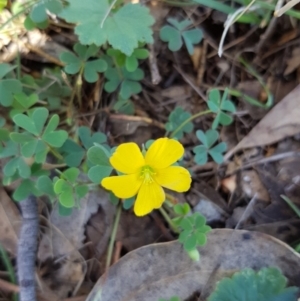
[(55, 153), (291, 204), (9, 269), (189, 120), (113, 236), (168, 220)]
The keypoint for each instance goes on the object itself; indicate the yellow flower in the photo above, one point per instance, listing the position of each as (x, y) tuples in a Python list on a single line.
[(145, 175)]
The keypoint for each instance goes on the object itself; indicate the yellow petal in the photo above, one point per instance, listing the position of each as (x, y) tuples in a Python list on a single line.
[(163, 152), (123, 186), (151, 196), (127, 158), (174, 177)]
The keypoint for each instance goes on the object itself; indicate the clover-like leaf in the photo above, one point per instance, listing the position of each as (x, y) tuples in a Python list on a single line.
[(24, 189), (88, 139), (219, 106), (268, 284), (99, 157), (130, 62), (45, 185), (179, 123), (126, 81), (124, 106), (193, 232), (38, 13), (22, 103), (74, 153), (122, 29), (8, 86), (68, 190), (38, 140), (176, 34), (75, 63), (208, 139)]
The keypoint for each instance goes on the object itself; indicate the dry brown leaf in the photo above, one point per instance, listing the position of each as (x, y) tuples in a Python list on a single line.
[(10, 222), (164, 270), (66, 233), (293, 62), (281, 122)]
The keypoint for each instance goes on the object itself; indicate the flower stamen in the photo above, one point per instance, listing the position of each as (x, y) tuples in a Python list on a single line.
[(147, 174)]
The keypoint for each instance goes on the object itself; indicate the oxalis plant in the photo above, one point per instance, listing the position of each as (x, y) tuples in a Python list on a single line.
[(46, 160)]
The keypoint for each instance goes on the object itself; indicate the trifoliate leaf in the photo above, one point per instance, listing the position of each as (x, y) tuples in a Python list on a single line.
[(208, 139), (88, 139), (22, 103), (124, 106), (26, 188), (193, 232), (122, 29), (99, 157), (178, 123), (176, 34), (266, 285), (219, 106), (126, 81), (75, 63), (7, 88), (45, 185)]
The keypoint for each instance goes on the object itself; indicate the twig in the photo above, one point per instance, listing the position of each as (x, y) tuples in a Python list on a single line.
[(269, 30), (279, 12), (27, 248), (8, 287), (155, 75), (44, 54), (138, 118)]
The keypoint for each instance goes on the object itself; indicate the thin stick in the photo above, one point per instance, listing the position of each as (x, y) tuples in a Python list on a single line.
[(168, 219), (279, 12), (27, 248)]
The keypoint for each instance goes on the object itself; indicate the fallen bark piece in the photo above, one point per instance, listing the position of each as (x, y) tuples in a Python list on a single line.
[(27, 248)]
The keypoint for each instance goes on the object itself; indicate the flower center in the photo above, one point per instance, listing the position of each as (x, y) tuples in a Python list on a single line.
[(147, 174)]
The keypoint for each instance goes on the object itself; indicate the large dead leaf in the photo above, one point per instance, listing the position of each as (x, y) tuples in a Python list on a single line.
[(164, 270), (10, 222), (66, 233), (281, 122)]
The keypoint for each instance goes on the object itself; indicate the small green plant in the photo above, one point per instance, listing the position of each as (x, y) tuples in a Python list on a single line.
[(127, 82), (178, 33), (194, 231), (177, 118), (268, 284), (82, 64), (68, 189), (37, 141), (219, 106), (208, 140)]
